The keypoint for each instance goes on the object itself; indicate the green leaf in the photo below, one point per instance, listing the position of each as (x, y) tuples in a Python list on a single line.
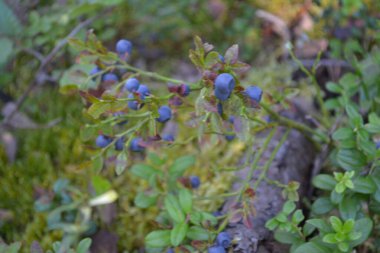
[(180, 165), (185, 200), (322, 205), (351, 159), (155, 159), (349, 207), (333, 87), (348, 226), (324, 182), (308, 229), (100, 184), (143, 200), (335, 197), (364, 226), (158, 239), (332, 103), (9, 23), (174, 209), (178, 233), (289, 207), (121, 163), (320, 224), (343, 133), (364, 185), (97, 163), (198, 233), (286, 237), (330, 238), (272, 224), (336, 223), (354, 115), (212, 58), (6, 50), (312, 247), (343, 246), (144, 171), (84, 245), (196, 218), (297, 217)]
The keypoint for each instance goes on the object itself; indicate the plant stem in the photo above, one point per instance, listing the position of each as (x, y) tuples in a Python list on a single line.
[(293, 124), (270, 160), (159, 77), (316, 87)]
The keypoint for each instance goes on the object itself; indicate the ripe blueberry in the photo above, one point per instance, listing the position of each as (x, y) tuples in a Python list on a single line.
[(123, 47), (110, 77), (229, 137), (135, 145), (195, 182), (255, 93), (231, 119), (95, 70), (119, 144), (103, 141), (170, 250), (378, 145), (216, 249), (132, 84), (223, 239), (134, 105), (165, 114), (143, 90), (168, 137), (224, 85)]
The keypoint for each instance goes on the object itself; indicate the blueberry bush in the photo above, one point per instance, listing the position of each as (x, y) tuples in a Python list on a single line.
[(151, 158)]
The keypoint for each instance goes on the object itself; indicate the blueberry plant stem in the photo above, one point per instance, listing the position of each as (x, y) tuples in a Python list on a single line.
[(293, 124), (314, 82), (158, 76), (270, 160)]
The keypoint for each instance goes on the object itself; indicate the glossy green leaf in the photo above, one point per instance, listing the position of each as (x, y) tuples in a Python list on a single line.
[(143, 200), (84, 245), (144, 171), (364, 185), (322, 205), (324, 182), (180, 165), (185, 200)]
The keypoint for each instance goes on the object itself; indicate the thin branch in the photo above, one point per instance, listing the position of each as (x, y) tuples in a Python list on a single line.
[(47, 59)]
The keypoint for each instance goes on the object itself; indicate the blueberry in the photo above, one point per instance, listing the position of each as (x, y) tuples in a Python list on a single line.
[(254, 93), (378, 145), (110, 77), (224, 85), (221, 96), (229, 137), (223, 239), (225, 82), (103, 141), (165, 114), (168, 137), (123, 47), (134, 105), (132, 85), (219, 107), (221, 58), (135, 145), (95, 70), (119, 144), (195, 182), (184, 90), (170, 250), (231, 119), (216, 249), (143, 90)]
